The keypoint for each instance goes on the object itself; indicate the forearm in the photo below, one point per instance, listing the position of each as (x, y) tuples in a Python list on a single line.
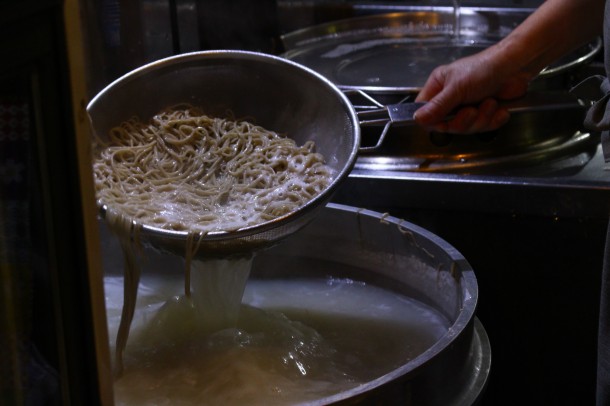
[(504, 70), (555, 29)]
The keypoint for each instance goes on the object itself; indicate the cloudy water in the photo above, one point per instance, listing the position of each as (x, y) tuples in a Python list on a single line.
[(293, 341)]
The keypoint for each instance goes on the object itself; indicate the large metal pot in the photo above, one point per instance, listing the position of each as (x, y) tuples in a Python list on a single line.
[(389, 57), (345, 242), (396, 52)]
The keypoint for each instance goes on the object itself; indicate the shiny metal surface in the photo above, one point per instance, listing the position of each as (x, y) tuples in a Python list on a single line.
[(380, 250), (278, 94), (470, 155), (345, 241), (538, 230), (573, 187), (386, 58), (539, 131), (396, 52)]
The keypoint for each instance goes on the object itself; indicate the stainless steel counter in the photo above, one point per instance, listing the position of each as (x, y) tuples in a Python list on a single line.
[(574, 187)]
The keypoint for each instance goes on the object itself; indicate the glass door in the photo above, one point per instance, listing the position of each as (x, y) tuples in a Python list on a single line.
[(50, 345)]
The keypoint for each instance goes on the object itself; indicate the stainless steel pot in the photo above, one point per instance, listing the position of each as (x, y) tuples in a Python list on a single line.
[(367, 246), (396, 52), (383, 251), (388, 58)]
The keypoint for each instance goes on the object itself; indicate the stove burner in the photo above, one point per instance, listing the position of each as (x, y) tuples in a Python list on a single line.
[(533, 137), (394, 52), (579, 147)]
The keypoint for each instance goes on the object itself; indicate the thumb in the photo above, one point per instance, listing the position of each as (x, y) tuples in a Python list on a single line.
[(436, 109)]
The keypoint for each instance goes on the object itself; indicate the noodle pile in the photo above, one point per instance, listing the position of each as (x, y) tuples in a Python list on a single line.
[(186, 171)]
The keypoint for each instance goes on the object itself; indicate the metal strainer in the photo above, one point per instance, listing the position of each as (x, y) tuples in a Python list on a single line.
[(280, 95)]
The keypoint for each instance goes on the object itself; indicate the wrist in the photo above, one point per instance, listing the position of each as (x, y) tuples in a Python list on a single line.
[(514, 58)]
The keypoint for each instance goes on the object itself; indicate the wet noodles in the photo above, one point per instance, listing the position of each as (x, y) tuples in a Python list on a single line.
[(188, 171)]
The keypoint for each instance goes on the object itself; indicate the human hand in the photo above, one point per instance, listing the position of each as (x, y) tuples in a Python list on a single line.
[(469, 90)]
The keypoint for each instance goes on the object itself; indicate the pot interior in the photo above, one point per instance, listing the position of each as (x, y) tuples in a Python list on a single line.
[(340, 276)]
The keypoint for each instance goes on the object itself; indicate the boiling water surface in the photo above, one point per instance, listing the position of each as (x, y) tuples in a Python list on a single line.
[(294, 341)]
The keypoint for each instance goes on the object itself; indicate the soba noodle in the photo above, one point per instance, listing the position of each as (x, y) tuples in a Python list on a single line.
[(188, 171)]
